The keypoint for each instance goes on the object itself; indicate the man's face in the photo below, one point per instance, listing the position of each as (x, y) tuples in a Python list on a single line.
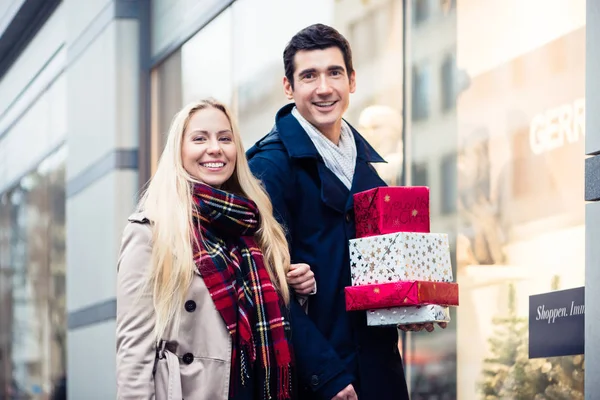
[(322, 88)]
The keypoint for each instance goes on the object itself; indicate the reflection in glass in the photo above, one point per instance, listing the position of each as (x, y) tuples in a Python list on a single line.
[(431, 358), (206, 62), (520, 176), (32, 282), (258, 70), (420, 92), (382, 127)]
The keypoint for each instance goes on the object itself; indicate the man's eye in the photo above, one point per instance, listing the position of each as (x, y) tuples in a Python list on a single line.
[(309, 76)]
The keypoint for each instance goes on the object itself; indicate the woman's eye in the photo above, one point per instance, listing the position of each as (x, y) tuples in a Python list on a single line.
[(226, 139), (200, 139)]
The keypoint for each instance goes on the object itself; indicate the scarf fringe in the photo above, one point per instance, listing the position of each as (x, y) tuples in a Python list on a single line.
[(284, 381), (284, 391)]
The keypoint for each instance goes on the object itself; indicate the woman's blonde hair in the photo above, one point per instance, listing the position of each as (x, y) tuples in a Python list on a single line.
[(167, 202)]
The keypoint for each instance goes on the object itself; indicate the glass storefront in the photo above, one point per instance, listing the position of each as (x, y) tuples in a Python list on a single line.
[(32, 282), (521, 126), (494, 125), (33, 326)]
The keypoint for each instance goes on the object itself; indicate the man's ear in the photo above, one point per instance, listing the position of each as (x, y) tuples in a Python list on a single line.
[(288, 89), (353, 82)]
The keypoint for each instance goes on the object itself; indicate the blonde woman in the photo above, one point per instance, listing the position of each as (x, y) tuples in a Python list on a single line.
[(202, 297)]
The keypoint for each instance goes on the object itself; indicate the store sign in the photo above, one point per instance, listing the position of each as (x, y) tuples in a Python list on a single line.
[(557, 323), (557, 127)]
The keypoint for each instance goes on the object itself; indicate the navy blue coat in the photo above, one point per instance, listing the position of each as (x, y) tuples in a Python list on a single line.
[(333, 347)]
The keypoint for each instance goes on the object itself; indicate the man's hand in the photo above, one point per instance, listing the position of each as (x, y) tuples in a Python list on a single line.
[(429, 327), (347, 393), (301, 279)]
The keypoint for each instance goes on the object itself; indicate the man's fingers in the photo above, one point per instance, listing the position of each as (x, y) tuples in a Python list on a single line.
[(304, 287), (308, 285), (304, 291), (309, 277), (429, 327), (351, 393), (347, 393), (298, 270)]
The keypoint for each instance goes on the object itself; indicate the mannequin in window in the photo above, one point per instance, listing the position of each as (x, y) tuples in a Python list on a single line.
[(382, 127)]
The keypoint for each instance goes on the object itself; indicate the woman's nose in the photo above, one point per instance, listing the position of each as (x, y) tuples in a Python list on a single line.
[(214, 147)]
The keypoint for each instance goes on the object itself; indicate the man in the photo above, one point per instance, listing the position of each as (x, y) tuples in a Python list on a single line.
[(311, 164)]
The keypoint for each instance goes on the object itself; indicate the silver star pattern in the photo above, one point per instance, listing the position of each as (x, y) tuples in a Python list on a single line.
[(400, 256), (408, 315)]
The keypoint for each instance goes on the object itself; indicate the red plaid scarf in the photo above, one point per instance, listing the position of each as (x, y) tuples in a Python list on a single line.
[(232, 266)]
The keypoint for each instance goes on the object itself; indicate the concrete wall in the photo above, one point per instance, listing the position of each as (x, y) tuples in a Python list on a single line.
[(102, 95)]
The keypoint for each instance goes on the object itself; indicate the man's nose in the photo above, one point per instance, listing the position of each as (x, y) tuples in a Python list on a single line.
[(324, 86)]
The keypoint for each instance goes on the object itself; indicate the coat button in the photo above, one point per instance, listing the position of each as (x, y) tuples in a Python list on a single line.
[(348, 216), (314, 380), (190, 306), (188, 358)]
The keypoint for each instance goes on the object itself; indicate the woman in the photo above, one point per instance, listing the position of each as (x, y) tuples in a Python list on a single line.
[(202, 294)]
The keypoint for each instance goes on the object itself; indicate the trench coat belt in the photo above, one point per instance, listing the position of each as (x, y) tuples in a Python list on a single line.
[(175, 392), (174, 385)]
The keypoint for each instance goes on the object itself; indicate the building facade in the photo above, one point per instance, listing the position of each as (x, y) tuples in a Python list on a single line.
[(482, 101)]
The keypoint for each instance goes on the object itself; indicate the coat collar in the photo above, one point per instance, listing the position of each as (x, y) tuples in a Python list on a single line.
[(299, 145), (333, 192)]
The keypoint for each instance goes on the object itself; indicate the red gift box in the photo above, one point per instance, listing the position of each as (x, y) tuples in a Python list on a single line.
[(398, 294), (391, 209)]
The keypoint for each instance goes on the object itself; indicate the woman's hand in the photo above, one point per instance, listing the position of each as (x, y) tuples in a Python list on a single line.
[(302, 279)]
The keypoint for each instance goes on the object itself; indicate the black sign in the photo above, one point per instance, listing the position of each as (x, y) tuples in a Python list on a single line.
[(557, 323)]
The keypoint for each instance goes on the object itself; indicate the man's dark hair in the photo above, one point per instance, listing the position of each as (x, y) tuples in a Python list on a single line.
[(315, 37)]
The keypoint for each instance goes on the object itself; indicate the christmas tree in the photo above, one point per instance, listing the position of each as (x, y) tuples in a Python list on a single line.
[(509, 373)]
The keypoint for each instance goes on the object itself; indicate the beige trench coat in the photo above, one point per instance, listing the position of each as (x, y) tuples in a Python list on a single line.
[(195, 364)]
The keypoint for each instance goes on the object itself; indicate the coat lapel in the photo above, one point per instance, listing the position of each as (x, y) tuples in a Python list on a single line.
[(365, 176), (334, 194)]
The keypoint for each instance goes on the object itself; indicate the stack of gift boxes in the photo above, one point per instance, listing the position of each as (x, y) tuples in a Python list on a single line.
[(401, 273)]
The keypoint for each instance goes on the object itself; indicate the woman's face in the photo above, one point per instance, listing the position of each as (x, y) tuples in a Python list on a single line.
[(208, 150)]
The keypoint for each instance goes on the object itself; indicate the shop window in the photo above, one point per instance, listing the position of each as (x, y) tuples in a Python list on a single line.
[(530, 175), (363, 36), (419, 174), (421, 11), (370, 32), (420, 92), (166, 100), (33, 319), (447, 5), (448, 81), (449, 191)]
